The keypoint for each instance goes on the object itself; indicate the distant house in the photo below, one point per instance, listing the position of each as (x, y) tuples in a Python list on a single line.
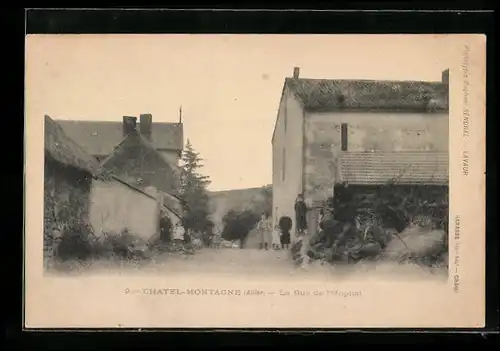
[(99, 138), (364, 132)]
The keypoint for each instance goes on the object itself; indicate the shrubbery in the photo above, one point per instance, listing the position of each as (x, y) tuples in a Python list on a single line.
[(237, 224), (122, 245), (400, 223), (75, 243), (80, 244)]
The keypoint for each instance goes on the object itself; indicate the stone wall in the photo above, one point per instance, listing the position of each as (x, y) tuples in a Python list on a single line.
[(66, 199), (116, 206), (366, 132)]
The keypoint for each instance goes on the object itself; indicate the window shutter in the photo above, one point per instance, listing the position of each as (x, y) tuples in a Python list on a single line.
[(343, 137)]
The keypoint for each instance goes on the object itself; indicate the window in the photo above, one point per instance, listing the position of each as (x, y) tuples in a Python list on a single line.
[(283, 171), (343, 136)]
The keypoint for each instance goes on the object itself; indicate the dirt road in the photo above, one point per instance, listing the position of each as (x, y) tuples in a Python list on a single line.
[(250, 263)]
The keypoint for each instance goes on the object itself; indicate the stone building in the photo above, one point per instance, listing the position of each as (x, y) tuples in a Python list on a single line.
[(136, 161), (330, 132), (107, 197)]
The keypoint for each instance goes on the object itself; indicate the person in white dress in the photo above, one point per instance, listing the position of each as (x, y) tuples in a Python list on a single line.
[(178, 234), (264, 227), (276, 237)]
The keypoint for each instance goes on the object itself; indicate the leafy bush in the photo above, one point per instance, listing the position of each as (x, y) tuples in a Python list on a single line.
[(165, 228), (237, 224), (124, 245), (75, 243), (396, 206)]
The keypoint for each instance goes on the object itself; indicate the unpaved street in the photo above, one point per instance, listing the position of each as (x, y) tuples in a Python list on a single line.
[(251, 263)]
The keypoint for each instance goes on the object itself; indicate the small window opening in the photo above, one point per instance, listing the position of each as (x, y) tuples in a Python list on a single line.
[(343, 136)]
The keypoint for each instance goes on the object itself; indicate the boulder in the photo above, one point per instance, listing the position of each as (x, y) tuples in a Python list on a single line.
[(415, 242)]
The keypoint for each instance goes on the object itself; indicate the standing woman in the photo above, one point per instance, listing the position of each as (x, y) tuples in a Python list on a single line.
[(285, 224), (300, 214)]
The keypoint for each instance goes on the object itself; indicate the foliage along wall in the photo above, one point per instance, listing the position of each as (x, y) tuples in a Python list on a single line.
[(66, 200), (392, 205)]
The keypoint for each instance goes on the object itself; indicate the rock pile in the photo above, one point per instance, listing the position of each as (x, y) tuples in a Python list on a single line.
[(414, 244)]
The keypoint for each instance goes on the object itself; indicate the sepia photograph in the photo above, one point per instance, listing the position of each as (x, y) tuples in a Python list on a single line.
[(198, 170)]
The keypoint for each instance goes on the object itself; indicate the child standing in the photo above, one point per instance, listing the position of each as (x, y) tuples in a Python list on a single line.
[(276, 237)]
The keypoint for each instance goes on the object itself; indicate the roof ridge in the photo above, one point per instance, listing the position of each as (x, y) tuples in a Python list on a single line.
[(115, 149), (395, 152), (101, 137), (322, 95), (104, 121), (364, 80)]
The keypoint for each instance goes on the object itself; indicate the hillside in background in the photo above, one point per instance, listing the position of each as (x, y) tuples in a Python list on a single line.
[(256, 199)]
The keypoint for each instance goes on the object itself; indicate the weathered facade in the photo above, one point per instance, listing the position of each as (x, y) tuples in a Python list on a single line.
[(136, 161), (117, 205), (322, 125), (68, 175)]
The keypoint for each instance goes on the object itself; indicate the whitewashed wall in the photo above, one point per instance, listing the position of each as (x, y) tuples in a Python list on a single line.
[(115, 206)]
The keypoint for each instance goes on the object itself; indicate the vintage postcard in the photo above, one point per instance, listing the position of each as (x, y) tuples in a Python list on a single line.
[(236, 181)]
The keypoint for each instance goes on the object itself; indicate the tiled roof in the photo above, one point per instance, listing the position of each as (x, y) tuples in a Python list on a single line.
[(323, 95), (365, 168), (65, 151), (100, 138)]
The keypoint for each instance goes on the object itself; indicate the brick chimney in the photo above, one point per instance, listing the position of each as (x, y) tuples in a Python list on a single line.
[(145, 125), (445, 77), (129, 125), (296, 72)]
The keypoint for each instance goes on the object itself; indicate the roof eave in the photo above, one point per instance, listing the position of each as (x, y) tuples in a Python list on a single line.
[(375, 110), (285, 86), (279, 109), (389, 183)]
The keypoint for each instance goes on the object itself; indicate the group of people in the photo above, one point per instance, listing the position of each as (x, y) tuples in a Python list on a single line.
[(279, 237), (331, 225), (334, 225), (189, 239)]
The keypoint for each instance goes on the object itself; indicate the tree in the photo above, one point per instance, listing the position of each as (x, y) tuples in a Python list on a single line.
[(267, 194), (237, 224), (193, 190)]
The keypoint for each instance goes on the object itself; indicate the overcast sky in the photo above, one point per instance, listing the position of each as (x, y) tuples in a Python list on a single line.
[(228, 85)]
